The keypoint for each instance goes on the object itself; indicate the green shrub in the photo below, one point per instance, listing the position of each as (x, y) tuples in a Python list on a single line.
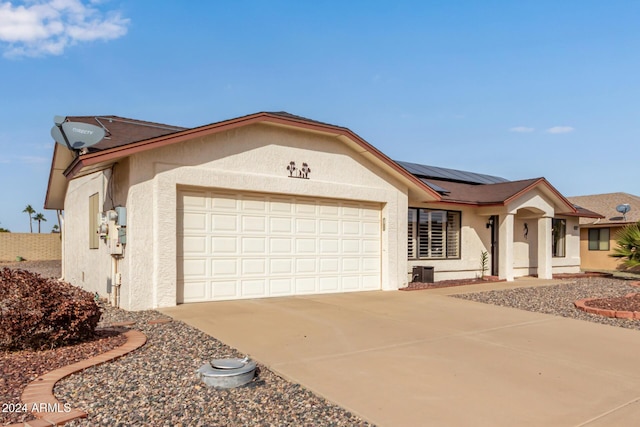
[(38, 313)]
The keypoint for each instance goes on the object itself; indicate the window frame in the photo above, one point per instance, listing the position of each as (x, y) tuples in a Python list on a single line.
[(599, 240), (413, 233), (563, 238)]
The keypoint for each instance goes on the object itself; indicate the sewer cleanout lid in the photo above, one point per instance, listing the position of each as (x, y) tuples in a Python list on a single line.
[(228, 363)]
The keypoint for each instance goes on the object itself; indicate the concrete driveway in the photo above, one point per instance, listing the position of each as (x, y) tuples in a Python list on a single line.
[(422, 358)]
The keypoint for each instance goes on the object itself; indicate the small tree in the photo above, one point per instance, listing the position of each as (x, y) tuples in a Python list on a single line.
[(484, 262), (628, 249), (4, 230), (39, 217), (55, 228), (30, 211)]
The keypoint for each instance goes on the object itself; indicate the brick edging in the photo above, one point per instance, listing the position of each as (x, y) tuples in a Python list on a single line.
[(620, 314), (40, 391)]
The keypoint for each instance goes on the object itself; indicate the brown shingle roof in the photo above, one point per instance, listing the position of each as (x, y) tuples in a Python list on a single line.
[(122, 131), (605, 204), (485, 194)]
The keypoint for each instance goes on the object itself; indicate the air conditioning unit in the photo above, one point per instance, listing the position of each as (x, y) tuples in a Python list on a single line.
[(422, 274)]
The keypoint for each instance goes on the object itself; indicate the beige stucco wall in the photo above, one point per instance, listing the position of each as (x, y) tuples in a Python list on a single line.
[(598, 260), (530, 209), (85, 267), (475, 238), (30, 246), (252, 158)]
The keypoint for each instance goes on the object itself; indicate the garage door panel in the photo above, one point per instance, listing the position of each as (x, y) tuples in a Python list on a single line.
[(350, 265), (223, 202), (194, 245), (305, 225), (306, 265), (253, 288), (224, 245), (194, 222), (224, 267), (329, 246), (254, 245), (305, 285), (371, 247), (370, 229), (350, 283), (350, 246), (281, 266), (329, 284), (194, 267), (281, 287), (224, 223), (329, 226), (281, 225), (236, 245), (224, 289), (194, 291), (192, 199), (281, 245), (254, 266), (329, 265)]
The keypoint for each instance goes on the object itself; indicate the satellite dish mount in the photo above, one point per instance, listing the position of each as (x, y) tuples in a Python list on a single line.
[(76, 135), (623, 209)]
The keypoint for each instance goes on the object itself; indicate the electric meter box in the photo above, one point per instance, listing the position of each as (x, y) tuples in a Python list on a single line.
[(121, 211)]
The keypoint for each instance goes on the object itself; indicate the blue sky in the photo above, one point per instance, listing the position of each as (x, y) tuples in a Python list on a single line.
[(519, 89)]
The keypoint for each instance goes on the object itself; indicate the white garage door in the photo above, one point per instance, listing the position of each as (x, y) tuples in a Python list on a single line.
[(233, 246)]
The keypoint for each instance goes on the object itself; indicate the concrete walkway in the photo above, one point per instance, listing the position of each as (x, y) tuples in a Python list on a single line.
[(422, 358)]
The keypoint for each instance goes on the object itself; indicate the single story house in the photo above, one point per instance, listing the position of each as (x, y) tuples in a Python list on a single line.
[(598, 235), (273, 204)]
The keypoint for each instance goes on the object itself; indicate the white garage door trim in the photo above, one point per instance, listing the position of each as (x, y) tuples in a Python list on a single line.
[(253, 245)]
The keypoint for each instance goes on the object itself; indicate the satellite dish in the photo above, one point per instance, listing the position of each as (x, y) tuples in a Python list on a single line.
[(623, 209), (81, 135), (59, 120)]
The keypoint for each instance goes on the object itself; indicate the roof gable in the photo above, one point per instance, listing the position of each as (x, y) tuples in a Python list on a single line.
[(121, 146)]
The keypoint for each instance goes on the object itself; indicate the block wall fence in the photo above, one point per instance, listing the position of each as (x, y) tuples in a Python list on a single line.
[(30, 246)]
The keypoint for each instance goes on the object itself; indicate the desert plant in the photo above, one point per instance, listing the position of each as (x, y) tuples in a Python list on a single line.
[(30, 211), (628, 249), (484, 262), (38, 313)]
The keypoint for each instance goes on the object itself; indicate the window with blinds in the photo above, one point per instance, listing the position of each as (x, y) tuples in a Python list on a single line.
[(433, 234), (599, 239)]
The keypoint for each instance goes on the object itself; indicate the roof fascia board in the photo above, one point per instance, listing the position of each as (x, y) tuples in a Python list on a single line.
[(113, 154)]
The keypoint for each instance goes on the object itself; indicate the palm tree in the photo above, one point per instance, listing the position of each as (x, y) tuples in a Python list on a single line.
[(29, 211), (628, 240), (39, 217)]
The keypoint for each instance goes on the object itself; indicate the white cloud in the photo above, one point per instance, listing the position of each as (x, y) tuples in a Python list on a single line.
[(560, 129), (33, 159), (47, 27), (521, 129)]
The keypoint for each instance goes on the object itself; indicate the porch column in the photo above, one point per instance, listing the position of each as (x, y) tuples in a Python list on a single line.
[(505, 247), (544, 248)]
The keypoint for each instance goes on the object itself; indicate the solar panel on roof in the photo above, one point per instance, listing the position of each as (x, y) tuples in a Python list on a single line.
[(435, 187), (424, 171)]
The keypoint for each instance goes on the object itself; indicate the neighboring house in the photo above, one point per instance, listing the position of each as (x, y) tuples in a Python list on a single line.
[(598, 235), (273, 204)]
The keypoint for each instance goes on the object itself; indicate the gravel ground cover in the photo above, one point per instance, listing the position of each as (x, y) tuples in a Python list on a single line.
[(558, 299), (157, 385)]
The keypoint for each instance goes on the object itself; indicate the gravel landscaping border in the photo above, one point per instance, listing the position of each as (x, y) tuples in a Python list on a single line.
[(157, 385), (559, 300)]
